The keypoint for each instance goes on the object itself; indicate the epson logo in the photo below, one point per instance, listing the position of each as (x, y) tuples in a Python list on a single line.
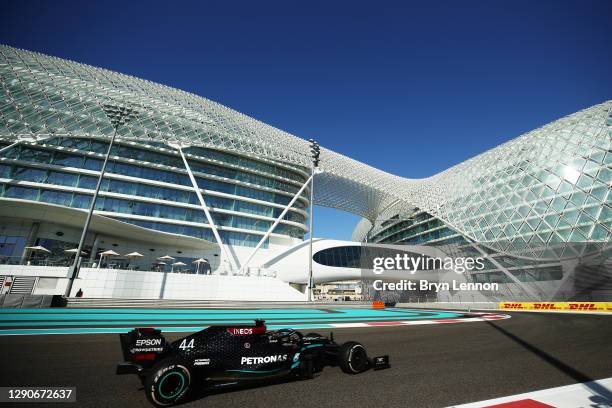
[(263, 360), (148, 342)]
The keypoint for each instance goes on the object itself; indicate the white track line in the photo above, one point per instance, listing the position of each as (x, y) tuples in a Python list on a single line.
[(484, 317), (584, 395)]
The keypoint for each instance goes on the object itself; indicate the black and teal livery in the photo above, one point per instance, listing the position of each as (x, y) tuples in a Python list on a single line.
[(221, 356)]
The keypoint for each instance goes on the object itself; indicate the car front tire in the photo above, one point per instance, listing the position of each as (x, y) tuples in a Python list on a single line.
[(353, 358)]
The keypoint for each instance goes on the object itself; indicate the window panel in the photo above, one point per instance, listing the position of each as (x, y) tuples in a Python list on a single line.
[(23, 193), (63, 179)]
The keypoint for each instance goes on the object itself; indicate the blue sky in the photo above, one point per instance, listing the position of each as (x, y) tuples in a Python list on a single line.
[(409, 87)]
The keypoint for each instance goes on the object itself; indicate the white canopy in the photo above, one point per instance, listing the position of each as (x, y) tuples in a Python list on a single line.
[(134, 255), (166, 258), (38, 248), (74, 251), (110, 252)]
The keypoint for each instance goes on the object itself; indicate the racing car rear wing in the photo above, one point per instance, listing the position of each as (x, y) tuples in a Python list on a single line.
[(141, 347)]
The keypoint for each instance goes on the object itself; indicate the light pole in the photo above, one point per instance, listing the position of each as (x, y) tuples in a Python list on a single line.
[(315, 151), (118, 116)]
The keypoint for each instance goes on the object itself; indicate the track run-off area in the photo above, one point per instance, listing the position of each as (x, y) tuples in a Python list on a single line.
[(432, 365), (92, 321)]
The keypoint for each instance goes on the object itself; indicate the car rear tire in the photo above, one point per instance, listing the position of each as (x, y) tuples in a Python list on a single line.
[(353, 358), (168, 382)]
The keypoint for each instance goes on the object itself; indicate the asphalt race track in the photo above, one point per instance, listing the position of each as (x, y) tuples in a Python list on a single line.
[(432, 365)]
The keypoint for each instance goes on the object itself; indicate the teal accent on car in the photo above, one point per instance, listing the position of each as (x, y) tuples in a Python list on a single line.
[(311, 346)]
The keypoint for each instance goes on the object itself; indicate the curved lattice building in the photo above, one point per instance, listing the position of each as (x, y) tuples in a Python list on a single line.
[(549, 186)]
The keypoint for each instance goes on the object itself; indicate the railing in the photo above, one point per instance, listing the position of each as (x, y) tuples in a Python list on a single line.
[(35, 261), (252, 271), (122, 264)]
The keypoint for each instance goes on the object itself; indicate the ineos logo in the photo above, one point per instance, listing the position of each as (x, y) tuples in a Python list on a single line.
[(241, 331)]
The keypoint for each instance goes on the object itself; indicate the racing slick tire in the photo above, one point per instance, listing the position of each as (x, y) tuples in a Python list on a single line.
[(168, 382), (353, 358)]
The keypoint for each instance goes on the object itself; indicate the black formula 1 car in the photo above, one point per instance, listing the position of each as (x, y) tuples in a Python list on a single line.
[(220, 356)]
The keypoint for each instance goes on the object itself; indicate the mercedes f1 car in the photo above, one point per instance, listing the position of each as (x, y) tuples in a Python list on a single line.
[(220, 356)]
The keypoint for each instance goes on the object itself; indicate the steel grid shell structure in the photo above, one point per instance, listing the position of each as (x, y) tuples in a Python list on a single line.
[(548, 186)]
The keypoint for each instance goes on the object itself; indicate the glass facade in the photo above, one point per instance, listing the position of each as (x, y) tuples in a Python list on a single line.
[(52, 169), (416, 229), (11, 246), (146, 182), (356, 256), (282, 193)]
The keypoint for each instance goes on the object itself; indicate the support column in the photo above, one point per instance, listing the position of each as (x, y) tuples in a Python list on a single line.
[(309, 287), (118, 116), (94, 248), (196, 188), (30, 241), (278, 220), (73, 270)]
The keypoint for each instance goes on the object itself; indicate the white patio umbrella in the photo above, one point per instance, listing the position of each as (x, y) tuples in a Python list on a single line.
[(166, 258), (74, 251), (179, 263), (198, 262), (109, 252), (133, 255), (37, 248)]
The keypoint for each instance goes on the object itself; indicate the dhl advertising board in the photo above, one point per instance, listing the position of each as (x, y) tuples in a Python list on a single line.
[(560, 306)]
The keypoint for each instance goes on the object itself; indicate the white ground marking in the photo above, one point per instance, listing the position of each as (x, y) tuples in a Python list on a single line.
[(593, 394)]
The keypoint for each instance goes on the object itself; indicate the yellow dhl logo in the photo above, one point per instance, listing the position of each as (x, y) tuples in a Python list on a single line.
[(512, 306), (583, 306), (569, 306)]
